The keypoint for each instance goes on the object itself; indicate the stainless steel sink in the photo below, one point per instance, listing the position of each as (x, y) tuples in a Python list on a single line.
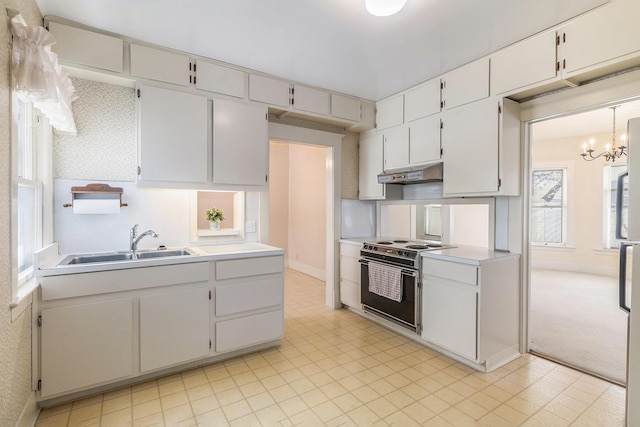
[(163, 253), (122, 256), (97, 258)]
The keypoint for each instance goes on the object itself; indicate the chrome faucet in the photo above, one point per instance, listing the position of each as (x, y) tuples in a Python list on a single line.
[(134, 238)]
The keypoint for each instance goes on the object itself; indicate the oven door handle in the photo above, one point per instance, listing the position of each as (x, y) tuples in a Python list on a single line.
[(404, 272)]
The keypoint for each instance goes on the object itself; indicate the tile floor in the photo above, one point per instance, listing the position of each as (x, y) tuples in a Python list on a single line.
[(335, 368)]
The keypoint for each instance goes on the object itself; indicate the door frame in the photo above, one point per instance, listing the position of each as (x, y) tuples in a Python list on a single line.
[(333, 205), (607, 92)]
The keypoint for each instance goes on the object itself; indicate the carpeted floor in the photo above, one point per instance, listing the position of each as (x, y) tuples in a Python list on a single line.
[(575, 319)]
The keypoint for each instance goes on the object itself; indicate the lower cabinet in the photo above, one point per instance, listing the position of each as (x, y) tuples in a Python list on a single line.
[(472, 310), (249, 330), (350, 276), (85, 345), (174, 328)]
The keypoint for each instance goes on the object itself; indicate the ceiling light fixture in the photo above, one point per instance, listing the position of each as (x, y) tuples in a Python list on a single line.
[(611, 151), (384, 7)]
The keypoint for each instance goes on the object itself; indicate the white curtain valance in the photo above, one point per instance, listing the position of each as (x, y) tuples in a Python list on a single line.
[(38, 76)]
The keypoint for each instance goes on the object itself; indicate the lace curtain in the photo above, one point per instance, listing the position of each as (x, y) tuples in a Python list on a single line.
[(38, 76)]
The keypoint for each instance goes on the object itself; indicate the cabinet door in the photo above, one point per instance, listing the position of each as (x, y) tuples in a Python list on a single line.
[(240, 143), (249, 295), (422, 101), (87, 48), (174, 328), (345, 107), (250, 330), (161, 65), (216, 78), (269, 91), (470, 142), (350, 276), (390, 112), (527, 63), (449, 317), (311, 100), (396, 148), (607, 34), (424, 140), (86, 345), (172, 135), (370, 165), (466, 84)]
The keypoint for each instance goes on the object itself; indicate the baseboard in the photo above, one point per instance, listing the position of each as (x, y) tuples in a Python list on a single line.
[(318, 273), (574, 268), (30, 412)]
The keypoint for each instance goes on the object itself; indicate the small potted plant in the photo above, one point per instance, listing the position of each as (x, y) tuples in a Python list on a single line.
[(214, 216)]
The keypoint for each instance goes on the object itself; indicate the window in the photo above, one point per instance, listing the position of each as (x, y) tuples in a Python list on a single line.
[(549, 206), (611, 173), (28, 180), (429, 225)]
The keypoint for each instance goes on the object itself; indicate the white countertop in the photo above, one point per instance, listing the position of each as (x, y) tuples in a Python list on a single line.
[(200, 254)]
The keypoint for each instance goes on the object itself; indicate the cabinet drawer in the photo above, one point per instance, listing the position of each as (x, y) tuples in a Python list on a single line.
[(450, 270), (249, 267), (350, 250), (250, 330), (349, 269), (239, 297)]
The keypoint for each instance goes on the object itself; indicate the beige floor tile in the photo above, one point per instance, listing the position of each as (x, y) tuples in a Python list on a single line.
[(213, 418), (145, 409), (171, 387), (125, 391), (116, 404), (145, 395), (270, 415), (153, 420), (85, 412), (204, 405), (55, 410), (56, 420), (382, 407), (314, 397), (363, 416), (236, 410), (172, 400), (230, 396), (293, 406), (119, 418), (283, 392)]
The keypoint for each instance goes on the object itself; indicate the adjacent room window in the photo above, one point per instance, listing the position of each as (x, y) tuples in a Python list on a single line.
[(29, 186), (429, 222), (549, 206), (611, 173)]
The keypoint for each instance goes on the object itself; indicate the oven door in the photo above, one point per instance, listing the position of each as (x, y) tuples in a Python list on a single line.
[(403, 312)]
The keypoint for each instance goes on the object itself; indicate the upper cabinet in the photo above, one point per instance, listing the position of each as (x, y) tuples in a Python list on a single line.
[(240, 143), (370, 165), (465, 84), (216, 78), (424, 141), (422, 101), (530, 62), (172, 137), (390, 112), (269, 91), (87, 48), (161, 65), (396, 148), (345, 107), (311, 100), (603, 41), (481, 149)]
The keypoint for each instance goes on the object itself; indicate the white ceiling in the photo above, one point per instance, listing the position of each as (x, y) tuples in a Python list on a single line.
[(332, 44)]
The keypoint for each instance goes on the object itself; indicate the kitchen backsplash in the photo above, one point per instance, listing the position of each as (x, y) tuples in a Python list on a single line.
[(105, 147), (167, 212)]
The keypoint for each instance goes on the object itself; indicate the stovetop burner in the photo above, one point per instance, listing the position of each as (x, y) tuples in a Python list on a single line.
[(384, 243), (400, 241), (418, 246)]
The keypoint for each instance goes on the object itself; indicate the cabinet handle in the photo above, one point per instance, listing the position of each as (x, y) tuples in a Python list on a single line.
[(558, 66), (564, 64), (564, 37)]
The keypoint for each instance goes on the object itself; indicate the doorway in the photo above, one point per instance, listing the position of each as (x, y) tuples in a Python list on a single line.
[(574, 316)]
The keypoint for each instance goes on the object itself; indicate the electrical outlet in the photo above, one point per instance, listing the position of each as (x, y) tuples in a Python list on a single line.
[(250, 226)]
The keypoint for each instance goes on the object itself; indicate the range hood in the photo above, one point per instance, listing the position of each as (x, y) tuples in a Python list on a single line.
[(428, 173)]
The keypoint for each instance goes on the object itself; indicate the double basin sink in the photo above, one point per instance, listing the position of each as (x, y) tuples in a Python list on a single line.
[(123, 256)]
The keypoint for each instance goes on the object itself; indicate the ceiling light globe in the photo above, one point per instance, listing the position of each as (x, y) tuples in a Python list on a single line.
[(384, 7)]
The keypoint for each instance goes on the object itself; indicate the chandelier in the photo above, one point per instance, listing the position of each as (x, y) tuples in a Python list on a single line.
[(384, 7), (611, 150)]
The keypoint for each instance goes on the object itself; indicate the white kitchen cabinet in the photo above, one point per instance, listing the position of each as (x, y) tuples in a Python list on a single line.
[(85, 345), (424, 141), (219, 79), (350, 276), (527, 63), (85, 47), (240, 143), (472, 309), (172, 136), (390, 112), (269, 91), (251, 330), (174, 328), (422, 101), (466, 84), (311, 100), (371, 163), (253, 294), (396, 148), (601, 42), (481, 149), (345, 107), (161, 65)]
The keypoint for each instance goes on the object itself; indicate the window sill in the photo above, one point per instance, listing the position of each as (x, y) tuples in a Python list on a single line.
[(24, 300), (560, 248), (216, 233)]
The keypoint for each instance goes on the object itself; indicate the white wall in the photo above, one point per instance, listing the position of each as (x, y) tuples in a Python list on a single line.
[(279, 195), (468, 225), (584, 251)]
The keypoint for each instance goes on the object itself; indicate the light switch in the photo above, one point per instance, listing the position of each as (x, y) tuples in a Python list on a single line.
[(250, 226)]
